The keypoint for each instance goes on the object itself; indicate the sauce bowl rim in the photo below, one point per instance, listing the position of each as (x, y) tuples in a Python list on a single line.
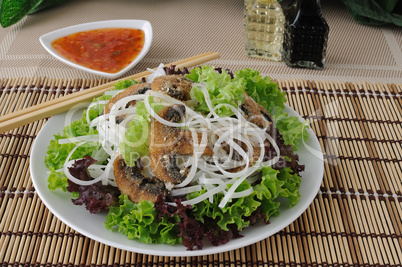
[(47, 38)]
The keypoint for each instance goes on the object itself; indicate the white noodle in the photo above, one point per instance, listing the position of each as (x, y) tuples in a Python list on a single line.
[(185, 190), (243, 193), (78, 139), (206, 195), (155, 73), (125, 100), (157, 117), (208, 100), (69, 164)]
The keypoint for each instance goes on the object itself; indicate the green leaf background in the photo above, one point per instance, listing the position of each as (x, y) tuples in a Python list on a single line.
[(12, 11)]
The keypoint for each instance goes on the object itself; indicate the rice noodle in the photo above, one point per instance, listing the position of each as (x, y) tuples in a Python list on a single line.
[(206, 195), (204, 90), (76, 139), (110, 134), (125, 100), (155, 73), (231, 191), (69, 164), (185, 190), (157, 117)]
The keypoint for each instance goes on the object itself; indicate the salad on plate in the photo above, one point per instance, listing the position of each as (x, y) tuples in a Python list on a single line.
[(182, 157)]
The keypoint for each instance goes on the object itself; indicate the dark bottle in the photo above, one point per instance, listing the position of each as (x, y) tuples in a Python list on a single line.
[(305, 35)]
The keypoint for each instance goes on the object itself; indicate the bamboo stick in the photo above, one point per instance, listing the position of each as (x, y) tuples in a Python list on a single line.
[(62, 104)]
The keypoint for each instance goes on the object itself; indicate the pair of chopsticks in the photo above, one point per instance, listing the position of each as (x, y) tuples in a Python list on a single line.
[(65, 103)]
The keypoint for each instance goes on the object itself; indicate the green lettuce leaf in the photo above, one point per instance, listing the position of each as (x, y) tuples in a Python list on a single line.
[(12, 11), (233, 213), (123, 84), (57, 180), (140, 221), (263, 90), (135, 142), (207, 73), (136, 138), (292, 130), (290, 187), (57, 153), (274, 184), (221, 88)]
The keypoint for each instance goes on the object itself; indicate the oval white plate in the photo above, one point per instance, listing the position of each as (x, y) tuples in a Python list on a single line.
[(91, 225), (144, 25)]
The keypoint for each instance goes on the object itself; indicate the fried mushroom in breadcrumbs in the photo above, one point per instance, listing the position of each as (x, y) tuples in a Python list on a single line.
[(136, 89), (132, 182), (167, 144), (176, 86)]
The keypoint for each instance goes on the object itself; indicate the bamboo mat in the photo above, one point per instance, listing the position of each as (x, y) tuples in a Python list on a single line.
[(355, 219)]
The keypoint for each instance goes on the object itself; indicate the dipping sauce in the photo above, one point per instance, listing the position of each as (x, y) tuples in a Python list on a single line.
[(109, 50)]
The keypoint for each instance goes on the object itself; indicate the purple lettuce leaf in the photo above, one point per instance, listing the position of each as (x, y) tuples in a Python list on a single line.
[(95, 197)]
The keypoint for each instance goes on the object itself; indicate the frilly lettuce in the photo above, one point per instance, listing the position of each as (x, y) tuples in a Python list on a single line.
[(123, 84), (57, 180), (290, 187), (222, 89), (135, 142), (262, 89), (274, 184), (233, 213), (141, 222), (292, 130)]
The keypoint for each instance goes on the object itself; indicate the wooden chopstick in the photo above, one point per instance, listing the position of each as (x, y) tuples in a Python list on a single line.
[(64, 103)]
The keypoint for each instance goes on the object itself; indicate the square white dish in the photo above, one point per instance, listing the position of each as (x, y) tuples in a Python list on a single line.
[(144, 25)]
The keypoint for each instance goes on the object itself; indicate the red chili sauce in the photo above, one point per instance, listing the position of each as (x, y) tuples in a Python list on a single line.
[(108, 50)]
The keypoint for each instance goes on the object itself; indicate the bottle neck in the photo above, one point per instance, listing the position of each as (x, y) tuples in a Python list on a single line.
[(310, 7)]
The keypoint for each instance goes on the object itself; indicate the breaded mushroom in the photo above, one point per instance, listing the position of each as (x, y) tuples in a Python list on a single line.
[(255, 113), (176, 86), (135, 185), (167, 144), (135, 89)]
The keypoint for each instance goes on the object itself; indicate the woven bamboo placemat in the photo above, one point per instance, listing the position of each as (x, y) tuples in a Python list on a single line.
[(354, 220)]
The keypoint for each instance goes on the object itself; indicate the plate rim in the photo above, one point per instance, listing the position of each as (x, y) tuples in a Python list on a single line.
[(164, 249), (144, 25)]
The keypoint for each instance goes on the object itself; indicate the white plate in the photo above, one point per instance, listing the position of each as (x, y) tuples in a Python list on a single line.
[(144, 25), (90, 225)]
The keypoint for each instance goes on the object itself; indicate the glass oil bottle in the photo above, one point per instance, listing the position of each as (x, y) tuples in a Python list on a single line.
[(263, 29), (305, 36)]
